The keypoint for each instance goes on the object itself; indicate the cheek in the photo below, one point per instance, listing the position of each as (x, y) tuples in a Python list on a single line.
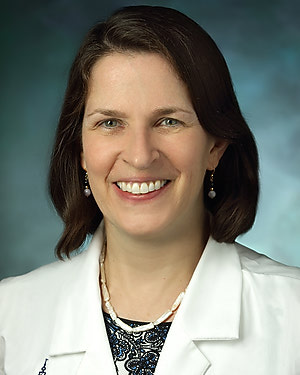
[(192, 156), (97, 156)]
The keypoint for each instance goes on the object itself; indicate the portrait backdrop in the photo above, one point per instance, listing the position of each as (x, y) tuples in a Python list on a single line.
[(261, 44)]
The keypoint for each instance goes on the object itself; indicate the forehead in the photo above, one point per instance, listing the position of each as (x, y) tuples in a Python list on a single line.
[(121, 76), (116, 60)]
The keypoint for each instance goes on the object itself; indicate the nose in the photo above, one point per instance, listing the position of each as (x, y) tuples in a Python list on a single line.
[(140, 149)]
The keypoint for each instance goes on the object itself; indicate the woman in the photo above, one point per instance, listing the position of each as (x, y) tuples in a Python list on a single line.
[(151, 140)]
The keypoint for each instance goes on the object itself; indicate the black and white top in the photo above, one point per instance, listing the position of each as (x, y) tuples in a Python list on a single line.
[(135, 353)]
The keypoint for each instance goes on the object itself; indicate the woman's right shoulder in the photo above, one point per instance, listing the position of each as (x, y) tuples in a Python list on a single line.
[(40, 275), (39, 284), (33, 284)]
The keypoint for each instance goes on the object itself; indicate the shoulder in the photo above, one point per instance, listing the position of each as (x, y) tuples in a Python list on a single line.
[(48, 285), (270, 298), (42, 277), (38, 289), (267, 283), (38, 306), (260, 264), (30, 307)]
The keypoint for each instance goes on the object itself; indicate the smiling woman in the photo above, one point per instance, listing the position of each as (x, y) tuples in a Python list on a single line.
[(154, 159)]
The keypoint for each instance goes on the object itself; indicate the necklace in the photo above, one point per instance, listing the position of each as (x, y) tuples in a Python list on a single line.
[(145, 327)]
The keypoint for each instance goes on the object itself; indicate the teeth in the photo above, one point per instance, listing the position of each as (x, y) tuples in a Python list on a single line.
[(135, 188), (151, 186), (143, 188)]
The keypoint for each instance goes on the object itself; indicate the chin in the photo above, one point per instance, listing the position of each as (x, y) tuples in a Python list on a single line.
[(144, 228)]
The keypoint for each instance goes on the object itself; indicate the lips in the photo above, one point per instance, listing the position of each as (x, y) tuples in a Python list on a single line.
[(138, 188)]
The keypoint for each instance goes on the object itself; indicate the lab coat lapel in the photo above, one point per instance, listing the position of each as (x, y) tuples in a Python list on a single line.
[(210, 311), (180, 355), (79, 343)]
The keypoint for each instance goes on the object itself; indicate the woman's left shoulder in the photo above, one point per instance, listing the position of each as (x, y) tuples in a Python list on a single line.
[(255, 263)]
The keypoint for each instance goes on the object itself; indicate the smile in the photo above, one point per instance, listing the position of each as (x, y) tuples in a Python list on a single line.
[(141, 188)]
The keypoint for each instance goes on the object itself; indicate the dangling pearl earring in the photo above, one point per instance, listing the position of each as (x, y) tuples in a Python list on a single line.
[(87, 191), (212, 194)]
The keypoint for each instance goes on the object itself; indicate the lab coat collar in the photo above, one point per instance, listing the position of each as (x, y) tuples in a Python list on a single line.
[(79, 300), (210, 311), (212, 305), (79, 342)]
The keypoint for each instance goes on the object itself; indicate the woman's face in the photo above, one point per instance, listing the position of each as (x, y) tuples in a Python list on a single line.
[(143, 147)]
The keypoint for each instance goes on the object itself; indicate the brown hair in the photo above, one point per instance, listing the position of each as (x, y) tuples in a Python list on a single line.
[(202, 67)]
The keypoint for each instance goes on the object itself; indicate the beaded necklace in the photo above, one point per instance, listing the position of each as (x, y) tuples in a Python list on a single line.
[(145, 327)]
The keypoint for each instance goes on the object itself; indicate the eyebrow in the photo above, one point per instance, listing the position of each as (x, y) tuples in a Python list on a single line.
[(163, 111)]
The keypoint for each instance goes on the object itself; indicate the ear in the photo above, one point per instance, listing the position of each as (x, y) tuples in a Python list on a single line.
[(216, 152), (82, 161)]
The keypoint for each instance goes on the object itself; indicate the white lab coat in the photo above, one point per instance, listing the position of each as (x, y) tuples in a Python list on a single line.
[(240, 316)]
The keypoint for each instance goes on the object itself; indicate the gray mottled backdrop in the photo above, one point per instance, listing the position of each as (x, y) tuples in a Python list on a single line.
[(261, 43)]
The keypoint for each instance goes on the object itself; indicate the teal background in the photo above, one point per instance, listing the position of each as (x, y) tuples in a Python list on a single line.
[(261, 43)]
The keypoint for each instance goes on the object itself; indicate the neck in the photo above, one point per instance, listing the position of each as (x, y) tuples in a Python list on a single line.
[(150, 256), (145, 275)]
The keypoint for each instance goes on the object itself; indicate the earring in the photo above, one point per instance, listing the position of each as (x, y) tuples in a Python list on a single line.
[(212, 194), (87, 191)]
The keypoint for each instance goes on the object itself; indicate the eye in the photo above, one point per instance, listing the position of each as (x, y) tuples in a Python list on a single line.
[(109, 124), (170, 122)]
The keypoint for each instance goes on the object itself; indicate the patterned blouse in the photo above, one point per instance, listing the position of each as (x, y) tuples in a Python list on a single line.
[(135, 353)]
